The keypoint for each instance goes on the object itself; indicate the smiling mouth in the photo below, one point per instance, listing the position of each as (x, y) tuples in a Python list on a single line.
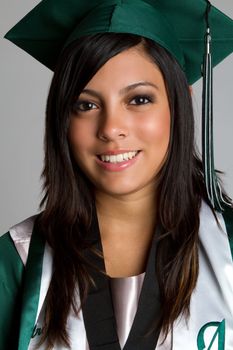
[(118, 158)]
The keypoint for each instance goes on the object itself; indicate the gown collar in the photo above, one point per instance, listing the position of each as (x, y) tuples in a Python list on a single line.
[(98, 310)]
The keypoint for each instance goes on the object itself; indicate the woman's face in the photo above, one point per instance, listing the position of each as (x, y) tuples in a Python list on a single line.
[(120, 125)]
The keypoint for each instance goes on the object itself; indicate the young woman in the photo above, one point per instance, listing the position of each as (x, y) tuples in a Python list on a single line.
[(129, 251)]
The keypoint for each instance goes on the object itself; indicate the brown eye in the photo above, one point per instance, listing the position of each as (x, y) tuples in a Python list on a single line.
[(83, 106), (141, 100)]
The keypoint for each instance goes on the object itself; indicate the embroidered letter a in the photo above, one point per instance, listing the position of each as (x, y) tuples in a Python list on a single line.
[(212, 336)]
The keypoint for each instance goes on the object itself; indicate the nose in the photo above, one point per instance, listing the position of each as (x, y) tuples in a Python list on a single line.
[(113, 126)]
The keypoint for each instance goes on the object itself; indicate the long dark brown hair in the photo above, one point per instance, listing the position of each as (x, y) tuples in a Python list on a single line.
[(68, 201)]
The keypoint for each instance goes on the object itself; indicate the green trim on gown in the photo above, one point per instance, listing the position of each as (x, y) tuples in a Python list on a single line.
[(11, 281), (228, 218)]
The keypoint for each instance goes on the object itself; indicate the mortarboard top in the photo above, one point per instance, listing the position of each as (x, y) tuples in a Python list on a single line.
[(179, 26)]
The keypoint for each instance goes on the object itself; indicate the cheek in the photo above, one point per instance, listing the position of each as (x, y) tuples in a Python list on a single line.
[(155, 129), (79, 136)]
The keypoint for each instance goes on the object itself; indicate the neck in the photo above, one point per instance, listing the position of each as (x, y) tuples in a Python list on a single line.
[(127, 225), (128, 214)]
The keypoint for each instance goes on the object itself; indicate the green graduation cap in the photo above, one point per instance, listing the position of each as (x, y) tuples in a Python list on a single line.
[(189, 30)]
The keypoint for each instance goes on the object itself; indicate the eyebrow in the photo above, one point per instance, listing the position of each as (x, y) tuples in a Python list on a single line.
[(122, 91)]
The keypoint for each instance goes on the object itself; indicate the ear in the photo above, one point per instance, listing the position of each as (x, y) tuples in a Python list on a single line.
[(191, 90)]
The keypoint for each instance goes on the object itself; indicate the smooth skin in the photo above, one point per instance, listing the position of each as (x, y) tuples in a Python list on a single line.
[(123, 107)]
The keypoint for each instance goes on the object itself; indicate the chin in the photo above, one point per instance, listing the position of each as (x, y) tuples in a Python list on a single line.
[(121, 189)]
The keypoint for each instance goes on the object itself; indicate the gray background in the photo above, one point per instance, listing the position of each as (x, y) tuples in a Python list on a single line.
[(24, 85)]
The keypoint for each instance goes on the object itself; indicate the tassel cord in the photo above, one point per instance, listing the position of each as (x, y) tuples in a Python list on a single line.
[(213, 187)]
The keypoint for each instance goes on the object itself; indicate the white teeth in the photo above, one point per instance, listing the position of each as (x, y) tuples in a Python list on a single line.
[(119, 157)]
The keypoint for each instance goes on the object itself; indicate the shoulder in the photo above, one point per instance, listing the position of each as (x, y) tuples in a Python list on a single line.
[(216, 229), (214, 222), (23, 230), (15, 243), (224, 219)]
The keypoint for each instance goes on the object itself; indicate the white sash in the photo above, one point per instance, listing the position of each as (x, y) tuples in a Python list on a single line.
[(211, 307), (210, 326)]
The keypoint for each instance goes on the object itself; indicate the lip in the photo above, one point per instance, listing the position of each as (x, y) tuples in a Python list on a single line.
[(116, 167)]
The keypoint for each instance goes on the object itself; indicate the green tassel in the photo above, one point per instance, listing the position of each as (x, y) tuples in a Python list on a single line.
[(213, 187)]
